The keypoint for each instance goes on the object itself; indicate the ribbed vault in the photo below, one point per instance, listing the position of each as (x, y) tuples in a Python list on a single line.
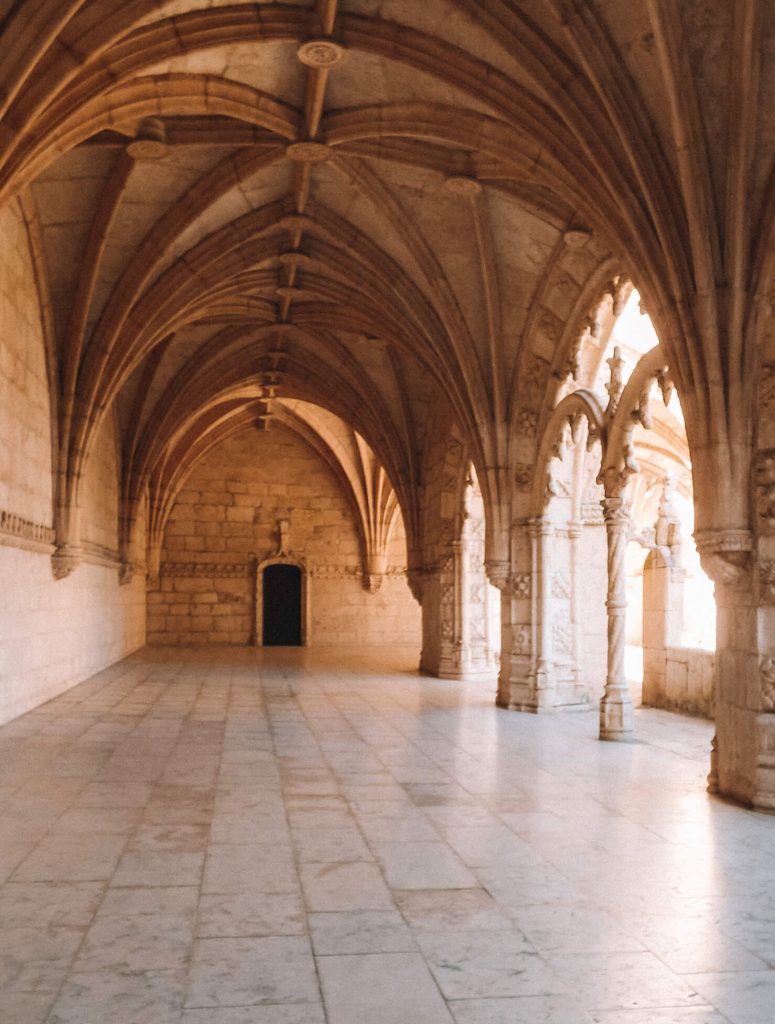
[(384, 210)]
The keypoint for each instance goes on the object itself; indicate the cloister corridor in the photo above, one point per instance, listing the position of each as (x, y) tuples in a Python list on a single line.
[(284, 836)]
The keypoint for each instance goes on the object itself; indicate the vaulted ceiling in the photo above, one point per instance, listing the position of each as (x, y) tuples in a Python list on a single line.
[(382, 208)]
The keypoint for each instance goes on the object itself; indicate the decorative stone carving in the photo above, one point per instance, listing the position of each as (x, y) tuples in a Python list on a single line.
[(615, 385), (562, 637), (14, 526), (764, 473), (522, 476), (498, 573), (461, 185), (767, 391), (209, 570), (527, 422), (150, 142), (126, 573), (561, 586), (767, 676), (725, 556), (550, 326), (320, 53), (767, 582), (308, 152), (522, 640), (536, 373), (522, 584), (576, 238), (616, 712), (283, 537), (65, 560)]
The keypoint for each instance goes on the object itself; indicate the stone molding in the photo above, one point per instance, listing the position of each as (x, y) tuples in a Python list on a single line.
[(207, 570), (16, 531), (237, 570)]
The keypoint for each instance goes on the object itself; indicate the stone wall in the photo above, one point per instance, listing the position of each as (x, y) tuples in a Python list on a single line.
[(225, 521), (681, 679), (53, 633)]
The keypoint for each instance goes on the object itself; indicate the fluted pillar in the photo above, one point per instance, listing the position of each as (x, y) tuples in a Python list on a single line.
[(616, 712)]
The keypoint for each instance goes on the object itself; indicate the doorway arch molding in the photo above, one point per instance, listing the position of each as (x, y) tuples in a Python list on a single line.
[(258, 625)]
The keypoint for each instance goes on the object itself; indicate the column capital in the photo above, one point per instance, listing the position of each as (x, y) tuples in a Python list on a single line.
[(725, 555), (616, 510)]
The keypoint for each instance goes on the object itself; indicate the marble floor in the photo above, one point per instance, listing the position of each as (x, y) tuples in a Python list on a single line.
[(248, 837)]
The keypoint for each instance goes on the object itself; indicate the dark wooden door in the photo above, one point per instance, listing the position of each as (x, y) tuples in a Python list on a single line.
[(282, 606)]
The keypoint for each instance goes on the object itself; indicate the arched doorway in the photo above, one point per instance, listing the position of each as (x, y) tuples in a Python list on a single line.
[(281, 592)]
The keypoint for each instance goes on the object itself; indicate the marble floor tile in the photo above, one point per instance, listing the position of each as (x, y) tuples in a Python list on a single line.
[(441, 910), (249, 867), (187, 837), (746, 997), (250, 914), (528, 1010), (360, 931), (301, 1013), (246, 971), (423, 866), (330, 845), (351, 886), (624, 981), (673, 1015), (381, 988), (487, 965), (64, 857), (158, 867), (132, 998)]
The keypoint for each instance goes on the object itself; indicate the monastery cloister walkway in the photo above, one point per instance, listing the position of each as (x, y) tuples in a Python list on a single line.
[(277, 837)]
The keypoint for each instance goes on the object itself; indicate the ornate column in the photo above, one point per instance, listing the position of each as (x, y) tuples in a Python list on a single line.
[(516, 678), (576, 599), (616, 712), (450, 615), (542, 531)]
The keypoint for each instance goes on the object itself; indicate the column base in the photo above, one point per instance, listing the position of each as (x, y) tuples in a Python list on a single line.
[(616, 720)]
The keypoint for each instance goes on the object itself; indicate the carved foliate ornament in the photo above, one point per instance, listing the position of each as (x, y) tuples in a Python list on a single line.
[(767, 582), (521, 584), (764, 473), (615, 385), (536, 373), (560, 586), (522, 640), (523, 472), (767, 676), (527, 422), (767, 391), (562, 637)]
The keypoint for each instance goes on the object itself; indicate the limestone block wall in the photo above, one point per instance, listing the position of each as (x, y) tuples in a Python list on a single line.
[(53, 633), (679, 679), (225, 520)]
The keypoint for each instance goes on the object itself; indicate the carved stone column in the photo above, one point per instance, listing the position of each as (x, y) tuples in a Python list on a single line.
[(616, 712), (734, 755), (542, 532), (515, 681)]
